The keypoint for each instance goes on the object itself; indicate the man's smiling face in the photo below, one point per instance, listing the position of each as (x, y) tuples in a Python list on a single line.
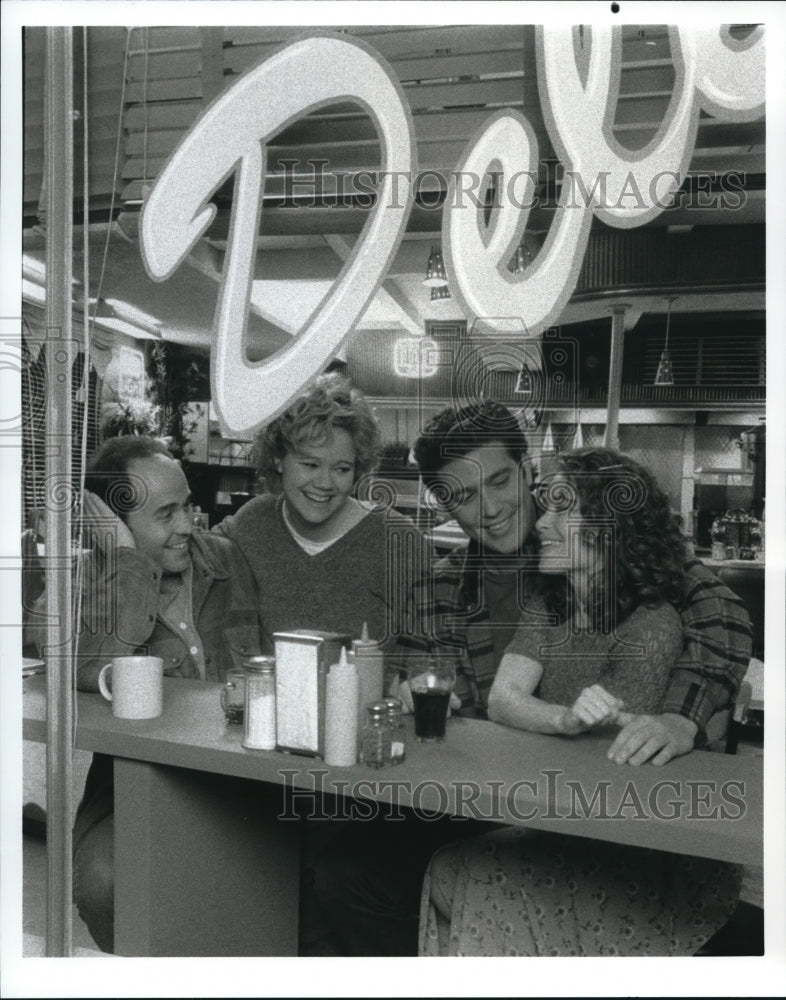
[(489, 497), (161, 526)]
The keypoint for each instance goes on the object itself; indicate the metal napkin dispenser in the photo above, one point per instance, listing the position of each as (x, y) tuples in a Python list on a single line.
[(303, 659)]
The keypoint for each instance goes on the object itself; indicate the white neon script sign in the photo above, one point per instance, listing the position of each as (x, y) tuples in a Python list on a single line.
[(713, 72), (623, 188), (231, 136)]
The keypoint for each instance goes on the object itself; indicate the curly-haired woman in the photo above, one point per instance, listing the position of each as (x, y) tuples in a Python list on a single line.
[(319, 555), (595, 648), (613, 555)]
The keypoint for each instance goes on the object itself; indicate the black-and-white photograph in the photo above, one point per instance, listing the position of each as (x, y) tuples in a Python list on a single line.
[(387, 511)]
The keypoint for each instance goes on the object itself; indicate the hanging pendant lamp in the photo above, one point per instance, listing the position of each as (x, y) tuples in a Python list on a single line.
[(665, 373), (435, 272)]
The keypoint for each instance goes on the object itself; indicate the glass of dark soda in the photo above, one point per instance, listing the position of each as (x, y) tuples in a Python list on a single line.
[(430, 683)]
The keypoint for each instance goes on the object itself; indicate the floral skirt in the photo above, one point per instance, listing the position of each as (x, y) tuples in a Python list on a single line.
[(519, 892)]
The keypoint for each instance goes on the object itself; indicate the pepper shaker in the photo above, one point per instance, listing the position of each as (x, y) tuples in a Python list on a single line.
[(398, 731), (375, 736)]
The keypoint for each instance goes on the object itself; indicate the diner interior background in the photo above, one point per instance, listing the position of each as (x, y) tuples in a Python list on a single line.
[(147, 337), (697, 269), (149, 342)]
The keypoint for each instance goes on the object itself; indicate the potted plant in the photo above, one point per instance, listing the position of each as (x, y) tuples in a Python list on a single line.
[(138, 416)]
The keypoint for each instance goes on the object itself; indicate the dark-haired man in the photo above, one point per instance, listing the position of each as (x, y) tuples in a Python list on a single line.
[(155, 587)]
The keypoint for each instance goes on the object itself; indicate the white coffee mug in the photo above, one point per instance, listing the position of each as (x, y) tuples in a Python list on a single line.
[(137, 686)]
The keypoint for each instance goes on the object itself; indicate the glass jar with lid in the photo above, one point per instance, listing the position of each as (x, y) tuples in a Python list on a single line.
[(259, 730)]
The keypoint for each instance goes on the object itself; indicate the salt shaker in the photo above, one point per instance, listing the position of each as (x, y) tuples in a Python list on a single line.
[(398, 731), (375, 736), (259, 731)]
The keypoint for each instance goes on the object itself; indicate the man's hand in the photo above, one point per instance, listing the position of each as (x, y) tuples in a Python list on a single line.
[(655, 737), (99, 521)]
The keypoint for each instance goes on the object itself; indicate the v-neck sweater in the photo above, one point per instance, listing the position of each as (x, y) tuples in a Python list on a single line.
[(351, 582)]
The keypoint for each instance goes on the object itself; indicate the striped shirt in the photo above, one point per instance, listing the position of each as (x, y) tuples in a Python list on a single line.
[(451, 611)]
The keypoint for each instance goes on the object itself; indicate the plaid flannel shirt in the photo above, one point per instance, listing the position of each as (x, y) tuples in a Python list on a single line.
[(449, 611), (716, 649)]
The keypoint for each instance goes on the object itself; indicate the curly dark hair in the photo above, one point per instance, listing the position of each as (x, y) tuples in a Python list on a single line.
[(627, 517), (329, 402), (453, 433)]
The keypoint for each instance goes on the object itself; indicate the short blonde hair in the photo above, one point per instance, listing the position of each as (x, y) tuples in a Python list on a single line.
[(329, 402)]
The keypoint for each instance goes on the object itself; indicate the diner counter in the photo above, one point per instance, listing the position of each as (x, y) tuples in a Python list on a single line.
[(476, 754), (752, 564), (202, 871)]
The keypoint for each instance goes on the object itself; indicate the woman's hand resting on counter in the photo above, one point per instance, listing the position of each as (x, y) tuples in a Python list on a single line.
[(512, 702)]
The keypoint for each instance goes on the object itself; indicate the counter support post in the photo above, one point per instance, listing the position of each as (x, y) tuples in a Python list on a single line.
[(203, 866)]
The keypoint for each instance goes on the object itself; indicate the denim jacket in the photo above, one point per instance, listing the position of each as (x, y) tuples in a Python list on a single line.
[(120, 617), (120, 611)]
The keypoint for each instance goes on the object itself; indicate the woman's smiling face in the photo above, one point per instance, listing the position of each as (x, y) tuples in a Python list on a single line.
[(553, 532), (563, 546), (317, 478)]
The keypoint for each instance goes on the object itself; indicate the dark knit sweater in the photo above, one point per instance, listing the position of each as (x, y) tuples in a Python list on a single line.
[(355, 580)]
